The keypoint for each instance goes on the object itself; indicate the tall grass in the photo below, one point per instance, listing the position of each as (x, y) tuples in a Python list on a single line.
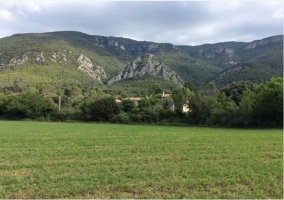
[(61, 160)]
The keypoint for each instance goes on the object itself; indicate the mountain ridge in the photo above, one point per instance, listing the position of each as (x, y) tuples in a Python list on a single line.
[(109, 55)]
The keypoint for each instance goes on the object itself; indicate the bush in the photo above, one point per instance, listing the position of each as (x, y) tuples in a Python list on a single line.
[(27, 105), (67, 114), (121, 118), (267, 104), (103, 109)]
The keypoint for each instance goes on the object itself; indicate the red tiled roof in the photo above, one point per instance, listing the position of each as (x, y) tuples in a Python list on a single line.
[(166, 95), (133, 98)]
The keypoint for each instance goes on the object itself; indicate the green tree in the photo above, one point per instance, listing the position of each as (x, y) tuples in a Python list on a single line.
[(127, 105), (85, 108), (236, 89), (211, 90), (243, 116), (29, 105), (201, 108), (144, 104), (37, 105), (104, 109), (3, 106), (267, 103), (48, 90), (156, 89), (224, 112), (190, 86), (169, 103), (181, 97)]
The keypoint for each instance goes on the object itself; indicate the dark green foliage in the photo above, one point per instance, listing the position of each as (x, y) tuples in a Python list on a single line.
[(267, 103), (103, 109), (260, 63), (198, 64), (181, 97), (156, 89), (224, 112), (167, 114), (190, 86), (260, 107), (85, 108), (256, 74), (140, 86), (127, 105), (201, 108), (67, 114), (122, 118), (149, 110), (243, 116), (202, 68), (145, 104), (236, 89), (27, 105), (190, 69), (241, 107), (210, 89)]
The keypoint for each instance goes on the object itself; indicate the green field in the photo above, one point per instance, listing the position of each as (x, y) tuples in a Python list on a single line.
[(73, 160)]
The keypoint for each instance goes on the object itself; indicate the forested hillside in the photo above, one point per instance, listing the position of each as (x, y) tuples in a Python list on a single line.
[(53, 57), (66, 75)]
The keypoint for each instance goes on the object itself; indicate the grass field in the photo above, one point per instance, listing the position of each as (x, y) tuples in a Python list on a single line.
[(73, 160)]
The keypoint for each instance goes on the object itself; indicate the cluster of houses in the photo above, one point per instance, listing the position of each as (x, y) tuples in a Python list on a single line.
[(164, 99)]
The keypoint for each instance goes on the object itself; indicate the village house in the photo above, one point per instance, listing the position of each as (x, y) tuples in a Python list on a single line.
[(185, 108), (164, 99), (117, 100), (136, 100)]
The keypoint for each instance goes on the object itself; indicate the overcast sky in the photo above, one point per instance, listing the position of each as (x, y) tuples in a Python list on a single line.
[(176, 22)]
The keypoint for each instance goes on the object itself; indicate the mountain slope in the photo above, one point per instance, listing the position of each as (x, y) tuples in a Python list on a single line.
[(74, 57)]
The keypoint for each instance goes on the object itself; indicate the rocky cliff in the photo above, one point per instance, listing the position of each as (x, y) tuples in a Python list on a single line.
[(264, 42), (86, 65), (146, 65)]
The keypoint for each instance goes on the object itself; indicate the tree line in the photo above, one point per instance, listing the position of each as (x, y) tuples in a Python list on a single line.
[(239, 104)]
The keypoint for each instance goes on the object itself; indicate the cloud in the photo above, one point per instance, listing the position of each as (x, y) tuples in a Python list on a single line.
[(6, 15), (278, 14), (224, 7), (187, 22)]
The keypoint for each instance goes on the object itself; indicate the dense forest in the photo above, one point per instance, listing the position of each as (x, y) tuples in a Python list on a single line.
[(238, 104)]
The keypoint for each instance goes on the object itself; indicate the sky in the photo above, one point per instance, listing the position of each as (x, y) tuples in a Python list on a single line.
[(176, 22)]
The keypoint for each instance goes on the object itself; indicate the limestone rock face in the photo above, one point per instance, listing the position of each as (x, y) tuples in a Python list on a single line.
[(264, 42), (112, 43), (229, 52), (40, 57), (224, 51), (152, 46), (216, 53), (86, 65), (18, 61), (100, 71), (146, 65)]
